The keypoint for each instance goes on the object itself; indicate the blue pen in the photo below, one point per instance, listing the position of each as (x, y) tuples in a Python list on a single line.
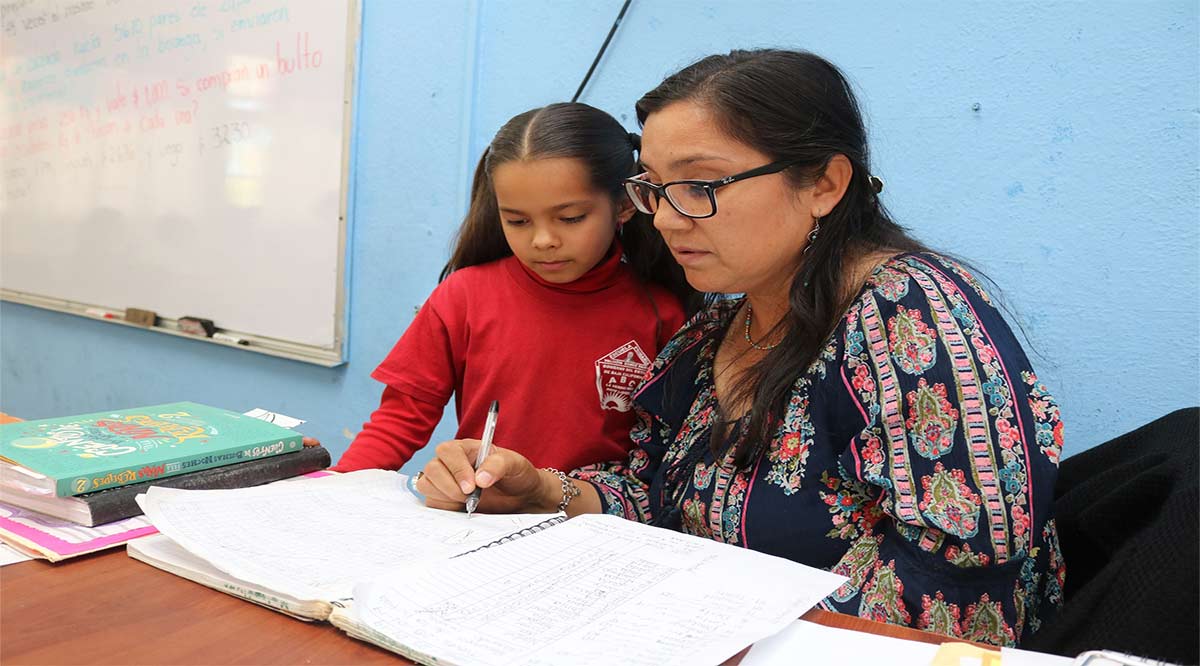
[(489, 430)]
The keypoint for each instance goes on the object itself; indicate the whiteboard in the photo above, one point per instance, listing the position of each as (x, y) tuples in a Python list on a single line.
[(187, 157)]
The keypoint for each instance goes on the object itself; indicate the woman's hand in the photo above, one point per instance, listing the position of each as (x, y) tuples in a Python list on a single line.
[(510, 483)]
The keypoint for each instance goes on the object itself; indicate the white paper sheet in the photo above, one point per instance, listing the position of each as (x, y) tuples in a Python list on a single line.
[(811, 643), (313, 538), (1011, 657), (805, 642), (282, 420), (593, 590), (10, 555)]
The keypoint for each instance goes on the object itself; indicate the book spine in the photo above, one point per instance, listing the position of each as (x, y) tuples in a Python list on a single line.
[(123, 476), (261, 598), (113, 504)]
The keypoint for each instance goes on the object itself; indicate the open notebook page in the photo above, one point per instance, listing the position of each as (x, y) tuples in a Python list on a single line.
[(593, 590), (313, 538)]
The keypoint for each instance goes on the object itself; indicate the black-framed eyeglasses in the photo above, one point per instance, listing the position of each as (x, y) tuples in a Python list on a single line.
[(696, 199)]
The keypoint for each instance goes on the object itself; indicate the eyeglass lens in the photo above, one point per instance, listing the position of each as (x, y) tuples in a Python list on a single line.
[(689, 199)]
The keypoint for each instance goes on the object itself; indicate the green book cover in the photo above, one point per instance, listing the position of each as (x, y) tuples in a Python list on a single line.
[(91, 452)]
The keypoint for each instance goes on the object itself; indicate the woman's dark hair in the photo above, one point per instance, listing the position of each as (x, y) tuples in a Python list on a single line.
[(795, 106), (581, 132)]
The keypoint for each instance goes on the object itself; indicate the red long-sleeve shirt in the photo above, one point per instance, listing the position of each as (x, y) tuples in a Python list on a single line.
[(561, 359)]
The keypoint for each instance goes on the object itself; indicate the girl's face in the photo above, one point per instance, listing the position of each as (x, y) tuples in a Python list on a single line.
[(754, 242), (556, 223)]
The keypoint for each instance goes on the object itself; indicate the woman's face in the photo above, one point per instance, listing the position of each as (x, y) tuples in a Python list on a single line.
[(754, 242)]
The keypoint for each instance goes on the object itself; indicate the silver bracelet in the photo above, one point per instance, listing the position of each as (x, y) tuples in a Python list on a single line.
[(569, 490)]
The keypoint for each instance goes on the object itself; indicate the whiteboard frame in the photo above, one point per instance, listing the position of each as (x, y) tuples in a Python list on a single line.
[(331, 356)]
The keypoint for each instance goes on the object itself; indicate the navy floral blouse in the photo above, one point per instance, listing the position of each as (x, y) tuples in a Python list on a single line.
[(917, 458)]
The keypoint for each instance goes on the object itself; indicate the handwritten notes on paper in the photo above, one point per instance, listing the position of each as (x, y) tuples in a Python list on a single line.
[(590, 591), (313, 538)]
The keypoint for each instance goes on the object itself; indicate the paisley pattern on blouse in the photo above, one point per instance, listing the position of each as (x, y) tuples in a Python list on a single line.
[(891, 283), (949, 503), (912, 342), (916, 456), (931, 420), (883, 596), (984, 622), (939, 616)]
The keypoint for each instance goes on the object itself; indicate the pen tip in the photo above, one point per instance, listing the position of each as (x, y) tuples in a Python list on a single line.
[(495, 406)]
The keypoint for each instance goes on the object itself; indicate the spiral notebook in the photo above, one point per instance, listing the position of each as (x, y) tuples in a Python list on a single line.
[(300, 546), (596, 589), (362, 552)]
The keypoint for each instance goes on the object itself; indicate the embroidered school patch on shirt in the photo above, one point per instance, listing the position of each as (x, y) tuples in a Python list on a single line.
[(617, 372)]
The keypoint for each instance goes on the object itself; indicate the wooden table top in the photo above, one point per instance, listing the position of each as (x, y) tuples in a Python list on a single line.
[(107, 608)]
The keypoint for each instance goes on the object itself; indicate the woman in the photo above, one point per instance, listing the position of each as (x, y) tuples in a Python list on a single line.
[(862, 408)]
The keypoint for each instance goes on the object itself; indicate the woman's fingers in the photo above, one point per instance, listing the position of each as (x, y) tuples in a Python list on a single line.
[(451, 476), (437, 483), (457, 457), (501, 464)]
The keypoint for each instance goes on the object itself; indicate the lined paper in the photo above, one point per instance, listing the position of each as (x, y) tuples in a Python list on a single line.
[(593, 590), (313, 538)]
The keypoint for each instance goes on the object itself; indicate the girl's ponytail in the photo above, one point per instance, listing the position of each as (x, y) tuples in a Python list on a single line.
[(480, 238)]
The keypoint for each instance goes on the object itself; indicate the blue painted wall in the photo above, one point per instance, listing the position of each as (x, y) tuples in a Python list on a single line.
[(1054, 144)]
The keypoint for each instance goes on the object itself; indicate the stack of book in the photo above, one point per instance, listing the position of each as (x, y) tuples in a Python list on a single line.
[(88, 469)]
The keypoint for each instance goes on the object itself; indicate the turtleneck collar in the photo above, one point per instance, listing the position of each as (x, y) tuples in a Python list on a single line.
[(602, 276)]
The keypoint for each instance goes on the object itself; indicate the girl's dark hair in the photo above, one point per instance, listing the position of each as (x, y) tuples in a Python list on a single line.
[(581, 132), (796, 106)]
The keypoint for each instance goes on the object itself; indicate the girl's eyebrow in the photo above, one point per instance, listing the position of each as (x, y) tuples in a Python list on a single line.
[(581, 202), (568, 204)]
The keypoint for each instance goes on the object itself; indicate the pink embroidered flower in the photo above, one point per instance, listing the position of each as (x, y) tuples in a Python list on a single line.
[(1020, 521), (1009, 436), (872, 450), (982, 349), (862, 380), (1006, 441)]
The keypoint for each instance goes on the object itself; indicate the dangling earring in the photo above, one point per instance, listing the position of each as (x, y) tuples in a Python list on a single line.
[(812, 237)]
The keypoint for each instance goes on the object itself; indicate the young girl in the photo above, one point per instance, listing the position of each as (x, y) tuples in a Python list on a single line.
[(555, 301)]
